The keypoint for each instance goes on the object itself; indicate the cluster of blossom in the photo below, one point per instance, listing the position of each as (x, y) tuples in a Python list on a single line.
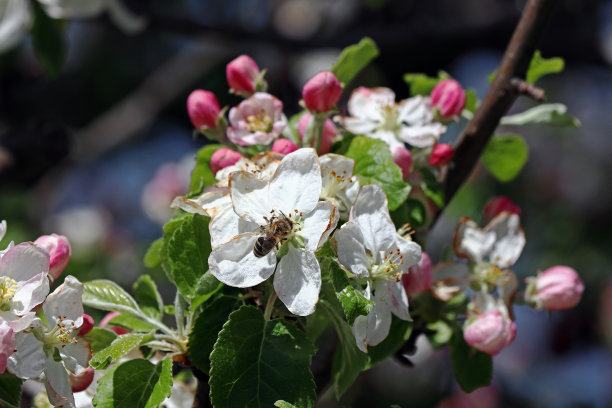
[(42, 333), (272, 212)]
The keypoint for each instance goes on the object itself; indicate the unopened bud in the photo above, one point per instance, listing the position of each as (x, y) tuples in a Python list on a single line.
[(242, 74), (81, 381), (58, 248), (499, 204), (441, 155), (448, 98), (88, 324), (203, 109), (419, 277), (284, 146), (327, 138), (403, 158), (222, 158), (110, 316), (321, 92), (557, 288), (490, 332)]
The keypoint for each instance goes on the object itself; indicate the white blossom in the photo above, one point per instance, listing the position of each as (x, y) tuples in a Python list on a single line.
[(340, 187)]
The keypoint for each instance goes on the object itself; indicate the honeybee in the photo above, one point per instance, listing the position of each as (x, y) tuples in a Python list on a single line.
[(277, 230)]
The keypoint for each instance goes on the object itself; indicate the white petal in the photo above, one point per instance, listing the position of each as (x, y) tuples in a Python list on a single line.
[(250, 197), (31, 293), (18, 323), (388, 137), (65, 301), (351, 250), (360, 328), (343, 166), (415, 111), (422, 135), (371, 214), (235, 264), (368, 103), (410, 250), (76, 356), (297, 281), (58, 385), (359, 126), (24, 261), (509, 239), (29, 359), (318, 223), (450, 278), (471, 242), (335, 217), (2, 229), (379, 318), (398, 300), (226, 225), (297, 184)]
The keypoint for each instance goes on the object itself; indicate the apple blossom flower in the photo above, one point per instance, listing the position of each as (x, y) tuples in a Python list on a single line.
[(403, 158), (499, 204), (256, 120), (441, 155), (321, 92), (222, 158), (340, 186), (36, 349), (242, 74), (489, 327), (7, 344), (419, 277), (328, 136), (283, 146), (292, 195), (375, 114), (58, 248), (203, 109), (448, 97), (557, 288), (370, 248)]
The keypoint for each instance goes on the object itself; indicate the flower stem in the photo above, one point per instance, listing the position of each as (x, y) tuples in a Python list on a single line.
[(270, 305)]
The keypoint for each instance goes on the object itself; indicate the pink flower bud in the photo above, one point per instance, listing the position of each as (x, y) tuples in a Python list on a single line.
[(490, 332), (223, 158), (7, 344), (329, 132), (118, 330), (241, 74), (58, 248), (321, 92), (557, 288), (203, 109), (403, 158), (419, 276), (284, 146), (441, 155), (81, 381), (449, 98), (88, 324), (499, 204)]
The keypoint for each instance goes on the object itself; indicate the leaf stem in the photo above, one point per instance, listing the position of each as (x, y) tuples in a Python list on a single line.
[(270, 305)]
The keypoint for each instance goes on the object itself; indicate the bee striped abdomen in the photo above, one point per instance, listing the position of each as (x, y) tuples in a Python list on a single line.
[(263, 246)]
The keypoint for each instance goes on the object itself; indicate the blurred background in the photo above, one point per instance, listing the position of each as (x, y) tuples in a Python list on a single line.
[(96, 151)]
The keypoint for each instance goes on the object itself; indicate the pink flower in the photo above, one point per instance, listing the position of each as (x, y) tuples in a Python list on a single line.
[(203, 109), (557, 288), (449, 98), (419, 276), (441, 155), (88, 324), (321, 92), (242, 74), (499, 204), (490, 332), (80, 382), (223, 158), (257, 120), (403, 158), (329, 132), (58, 248), (7, 344), (284, 146)]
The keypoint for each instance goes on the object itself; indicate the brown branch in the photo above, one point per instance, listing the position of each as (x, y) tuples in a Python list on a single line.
[(523, 87), (501, 94)]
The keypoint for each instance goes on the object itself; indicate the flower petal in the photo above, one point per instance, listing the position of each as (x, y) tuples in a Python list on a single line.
[(410, 250), (297, 281), (360, 329), (371, 214), (359, 126), (235, 264), (471, 242), (415, 111), (31, 294), (76, 356), (388, 137), (226, 225), (28, 361), (509, 239), (422, 135), (18, 323), (58, 385), (318, 224), (379, 318), (65, 301), (450, 278), (351, 250), (250, 197), (297, 184), (398, 300), (343, 166), (2, 229), (368, 103), (24, 261)]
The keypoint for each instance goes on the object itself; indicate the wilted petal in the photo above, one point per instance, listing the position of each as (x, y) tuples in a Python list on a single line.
[(235, 264), (297, 184), (370, 213), (509, 239), (351, 250), (24, 261), (318, 223), (297, 281), (450, 279), (471, 242), (250, 197), (29, 359), (65, 301), (58, 385)]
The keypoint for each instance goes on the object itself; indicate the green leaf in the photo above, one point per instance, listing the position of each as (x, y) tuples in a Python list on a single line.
[(202, 175), (135, 384), (353, 59), (205, 330), (107, 295), (117, 349), (432, 188), (471, 100), (374, 165), (348, 359), (441, 335), (131, 322), (10, 390), (504, 156), (284, 404), (421, 84), (187, 253), (398, 334), (100, 338), (257, 362), (552, 114), (47, 41), (473, 368), (148, 297), (412, 211), (540, 67), (151, 258), (353, 303), (206, 287)]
